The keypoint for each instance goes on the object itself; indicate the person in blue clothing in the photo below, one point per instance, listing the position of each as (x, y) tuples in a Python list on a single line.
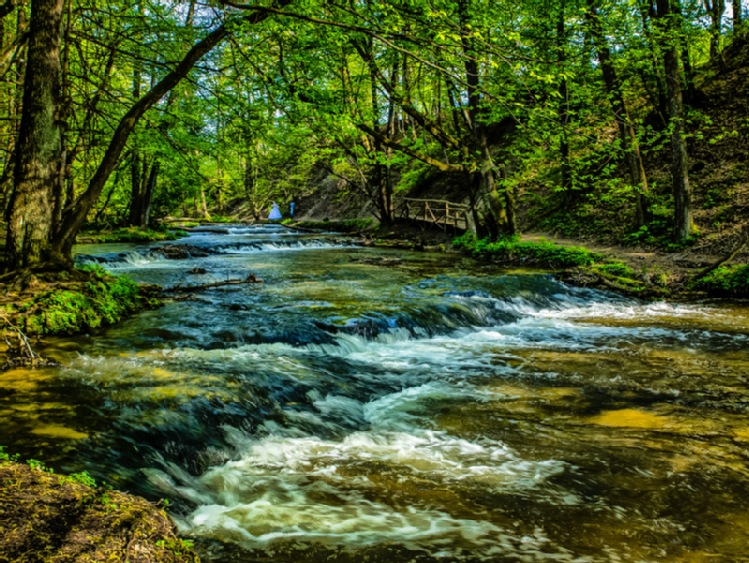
[(292, 205), (275, 213)]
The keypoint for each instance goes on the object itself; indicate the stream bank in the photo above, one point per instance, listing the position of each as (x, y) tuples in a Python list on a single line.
[(56, 519)]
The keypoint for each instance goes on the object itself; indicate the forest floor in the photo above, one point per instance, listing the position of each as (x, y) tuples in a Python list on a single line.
[(47, 517)]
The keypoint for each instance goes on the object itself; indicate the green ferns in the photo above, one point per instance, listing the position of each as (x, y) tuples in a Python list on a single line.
[(104, 299)]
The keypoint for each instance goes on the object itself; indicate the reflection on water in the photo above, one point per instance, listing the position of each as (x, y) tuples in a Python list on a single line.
[(366, 405)]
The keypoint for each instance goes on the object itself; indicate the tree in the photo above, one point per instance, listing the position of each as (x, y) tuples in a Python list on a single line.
[(682, 225), (38, 151), (627, 135), (35, 239)]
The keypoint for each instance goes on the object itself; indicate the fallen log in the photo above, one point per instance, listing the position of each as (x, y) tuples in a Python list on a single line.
[(179, 288)]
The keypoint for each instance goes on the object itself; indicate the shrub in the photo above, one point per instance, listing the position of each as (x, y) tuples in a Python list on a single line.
[(727, 280)]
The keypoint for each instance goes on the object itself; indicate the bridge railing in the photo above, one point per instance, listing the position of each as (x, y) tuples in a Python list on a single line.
[(437, 211)]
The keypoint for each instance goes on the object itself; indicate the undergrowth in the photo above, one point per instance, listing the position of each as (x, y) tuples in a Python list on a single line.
[(727, 280), (580, 265), (542, 253), (135, 234), (49, 517)]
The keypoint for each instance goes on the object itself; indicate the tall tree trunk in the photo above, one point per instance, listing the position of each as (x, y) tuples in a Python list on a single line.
[(627, 134), (136, 187), (15, 104), (737, 18), (564, 114), (496, 217), (715, 9), (37, 167), (683, 226)]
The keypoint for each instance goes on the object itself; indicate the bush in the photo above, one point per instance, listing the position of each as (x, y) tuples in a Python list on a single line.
[(727, 280)]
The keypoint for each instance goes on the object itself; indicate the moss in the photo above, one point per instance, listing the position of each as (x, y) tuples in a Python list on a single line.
[(614, 268), (348, 226), (74, 307), (46, 517), (580, 266)]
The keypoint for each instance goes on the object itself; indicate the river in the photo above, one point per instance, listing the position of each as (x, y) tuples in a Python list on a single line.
[(365, 404)]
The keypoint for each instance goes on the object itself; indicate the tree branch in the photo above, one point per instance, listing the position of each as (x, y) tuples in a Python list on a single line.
[(75, 214), (393, 144)]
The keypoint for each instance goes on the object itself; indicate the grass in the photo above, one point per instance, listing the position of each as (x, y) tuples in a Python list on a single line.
[(134, 234), (579, 265), (542, 253)]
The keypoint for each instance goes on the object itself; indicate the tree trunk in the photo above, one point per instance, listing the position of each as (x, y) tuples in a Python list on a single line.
[(716, 9), (147, 196), (136, 184), (682, 227), (37, 169), (737, 15), (564, 114), (627, 135)]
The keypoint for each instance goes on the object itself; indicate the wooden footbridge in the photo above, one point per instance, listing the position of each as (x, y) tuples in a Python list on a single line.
[(435, 211)]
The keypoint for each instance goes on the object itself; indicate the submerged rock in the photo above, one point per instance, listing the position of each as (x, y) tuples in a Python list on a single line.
[(47, 517)]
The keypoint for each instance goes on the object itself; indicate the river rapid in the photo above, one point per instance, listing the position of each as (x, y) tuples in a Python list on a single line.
[(375, 405)]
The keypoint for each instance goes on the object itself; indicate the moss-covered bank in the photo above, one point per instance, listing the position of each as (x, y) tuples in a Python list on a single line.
[(50, 518), (64, 303), (580, 266)]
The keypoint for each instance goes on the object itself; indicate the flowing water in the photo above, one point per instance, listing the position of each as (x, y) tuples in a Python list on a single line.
[(375, 405)]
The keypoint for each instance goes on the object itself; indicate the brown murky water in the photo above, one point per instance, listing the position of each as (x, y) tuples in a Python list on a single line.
[(366, 406)]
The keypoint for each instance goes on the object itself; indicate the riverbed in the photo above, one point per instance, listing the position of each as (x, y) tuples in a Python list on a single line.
[(363, 404)]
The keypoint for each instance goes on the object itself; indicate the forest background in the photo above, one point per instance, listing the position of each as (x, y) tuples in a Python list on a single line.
[(621, 119)]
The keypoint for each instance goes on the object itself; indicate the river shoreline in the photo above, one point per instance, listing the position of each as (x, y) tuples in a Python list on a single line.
[(662, 264)]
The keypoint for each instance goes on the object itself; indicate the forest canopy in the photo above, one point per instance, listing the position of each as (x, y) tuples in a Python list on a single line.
[(118, 113)]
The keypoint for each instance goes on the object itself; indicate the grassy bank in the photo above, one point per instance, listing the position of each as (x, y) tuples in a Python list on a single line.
[(131, 234), (575, 264)]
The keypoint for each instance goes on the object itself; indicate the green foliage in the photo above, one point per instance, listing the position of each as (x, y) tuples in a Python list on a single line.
[(136, 234), (728, 280), (178, 546), (657, 234), (614, 268), (37, 465), (82, 478), (105, 299), (542, 253), (5, 456)]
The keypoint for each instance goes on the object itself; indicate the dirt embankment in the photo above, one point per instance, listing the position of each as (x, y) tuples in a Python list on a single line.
[(50, 518)]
